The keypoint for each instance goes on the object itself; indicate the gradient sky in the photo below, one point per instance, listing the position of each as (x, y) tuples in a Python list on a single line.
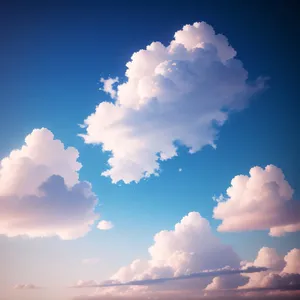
[(52, 56)]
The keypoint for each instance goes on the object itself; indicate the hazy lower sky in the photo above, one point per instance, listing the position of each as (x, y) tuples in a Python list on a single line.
[(146, 140)]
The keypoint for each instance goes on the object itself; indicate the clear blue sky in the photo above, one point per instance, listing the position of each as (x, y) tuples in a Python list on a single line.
[(51, 58)]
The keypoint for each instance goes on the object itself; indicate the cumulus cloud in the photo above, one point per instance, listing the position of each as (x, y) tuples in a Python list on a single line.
[(276, 280), (282, 273), (292, 260), (105, 225), (40, 193), (179, 94), (260, 201)]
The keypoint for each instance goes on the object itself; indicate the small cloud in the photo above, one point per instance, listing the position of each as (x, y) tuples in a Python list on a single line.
[(179, 170), (108, 86), (85, 283), (28, 286), (221, 198), (105, 225), (90, 261)]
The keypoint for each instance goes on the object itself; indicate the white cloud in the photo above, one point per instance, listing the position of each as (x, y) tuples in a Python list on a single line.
[(221, 198), (108, 86), (179, 94), (105, 225), (40, 194), (260, 201)]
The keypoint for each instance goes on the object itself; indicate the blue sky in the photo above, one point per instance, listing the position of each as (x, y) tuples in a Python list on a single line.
[(52, 57)]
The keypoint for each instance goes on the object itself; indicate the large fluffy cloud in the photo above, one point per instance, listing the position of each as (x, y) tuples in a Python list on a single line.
[(176, 94), (40, 194), (260, 201)]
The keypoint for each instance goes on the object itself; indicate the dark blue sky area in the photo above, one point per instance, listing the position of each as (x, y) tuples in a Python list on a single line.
[(53, 53)]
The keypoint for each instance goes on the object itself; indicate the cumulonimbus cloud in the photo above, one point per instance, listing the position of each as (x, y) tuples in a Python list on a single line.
[(40, 193), (260, 201), (173, 95)]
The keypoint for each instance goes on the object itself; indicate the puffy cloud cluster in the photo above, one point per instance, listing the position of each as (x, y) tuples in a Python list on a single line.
[(105, 225), (189, 248), (283, 272), (176, 94), (40, 194), (190, 260), (260, 201)]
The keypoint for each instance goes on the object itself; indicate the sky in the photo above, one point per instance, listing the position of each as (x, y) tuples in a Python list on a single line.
[(142, 141)]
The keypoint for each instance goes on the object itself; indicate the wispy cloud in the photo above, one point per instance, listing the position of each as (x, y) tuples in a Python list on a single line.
[(28, 286), (183, 277)]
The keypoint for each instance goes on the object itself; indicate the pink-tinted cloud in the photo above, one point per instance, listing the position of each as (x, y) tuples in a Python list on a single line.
[(40, 193), (260, 201), (28, 286), (190, 248)]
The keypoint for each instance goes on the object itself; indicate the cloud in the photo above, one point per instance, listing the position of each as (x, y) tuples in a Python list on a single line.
[(282, 273), (189, 251), (108, 86), (105, 225), (260, 201), (85, 283), (292, 260), (29, 286), (180, 94), (40, 193), (209, 273), (281, 277), (90, 261)]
